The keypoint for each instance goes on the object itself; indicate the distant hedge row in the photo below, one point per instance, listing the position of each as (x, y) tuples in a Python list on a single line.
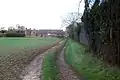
[(12, 34)]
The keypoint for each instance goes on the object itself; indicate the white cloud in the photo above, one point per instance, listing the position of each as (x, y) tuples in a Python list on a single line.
[(36, 13)]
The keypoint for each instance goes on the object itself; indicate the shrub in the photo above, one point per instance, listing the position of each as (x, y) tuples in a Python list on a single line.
[(1, 35), (14, 34)]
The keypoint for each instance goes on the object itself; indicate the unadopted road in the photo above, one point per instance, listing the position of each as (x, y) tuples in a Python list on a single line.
[(34, 70)]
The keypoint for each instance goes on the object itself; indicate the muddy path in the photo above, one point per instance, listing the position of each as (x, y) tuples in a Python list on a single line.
[(66, 72), (34, 70)]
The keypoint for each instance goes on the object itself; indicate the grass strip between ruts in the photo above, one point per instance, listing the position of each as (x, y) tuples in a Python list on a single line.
[(50, 69)]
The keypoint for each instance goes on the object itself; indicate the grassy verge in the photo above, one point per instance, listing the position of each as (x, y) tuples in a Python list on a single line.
[(50, 69), (87, 65)]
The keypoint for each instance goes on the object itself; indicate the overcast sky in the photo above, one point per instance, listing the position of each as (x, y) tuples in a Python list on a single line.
[(39, 14)]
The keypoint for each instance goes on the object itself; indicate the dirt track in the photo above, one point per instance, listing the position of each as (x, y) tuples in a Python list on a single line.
[(33, 70)]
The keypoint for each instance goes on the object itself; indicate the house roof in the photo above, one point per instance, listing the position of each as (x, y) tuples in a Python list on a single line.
[(46, 31)]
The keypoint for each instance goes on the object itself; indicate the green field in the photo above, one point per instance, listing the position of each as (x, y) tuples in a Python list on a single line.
[(9, 46)]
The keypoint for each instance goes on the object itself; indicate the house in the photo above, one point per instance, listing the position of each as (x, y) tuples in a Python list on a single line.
[(27, 32), (34, 33), (44, 32)]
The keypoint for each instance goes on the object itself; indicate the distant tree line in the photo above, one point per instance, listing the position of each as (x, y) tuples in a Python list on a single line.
[(19, 31)]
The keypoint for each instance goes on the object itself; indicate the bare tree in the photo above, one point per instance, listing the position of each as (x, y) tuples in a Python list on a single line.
[(70, 18), (2, 30), (20, 28), (79, 7), (11, 28)]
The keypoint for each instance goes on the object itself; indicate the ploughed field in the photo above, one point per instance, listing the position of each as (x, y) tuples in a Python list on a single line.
[(16, 53)]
